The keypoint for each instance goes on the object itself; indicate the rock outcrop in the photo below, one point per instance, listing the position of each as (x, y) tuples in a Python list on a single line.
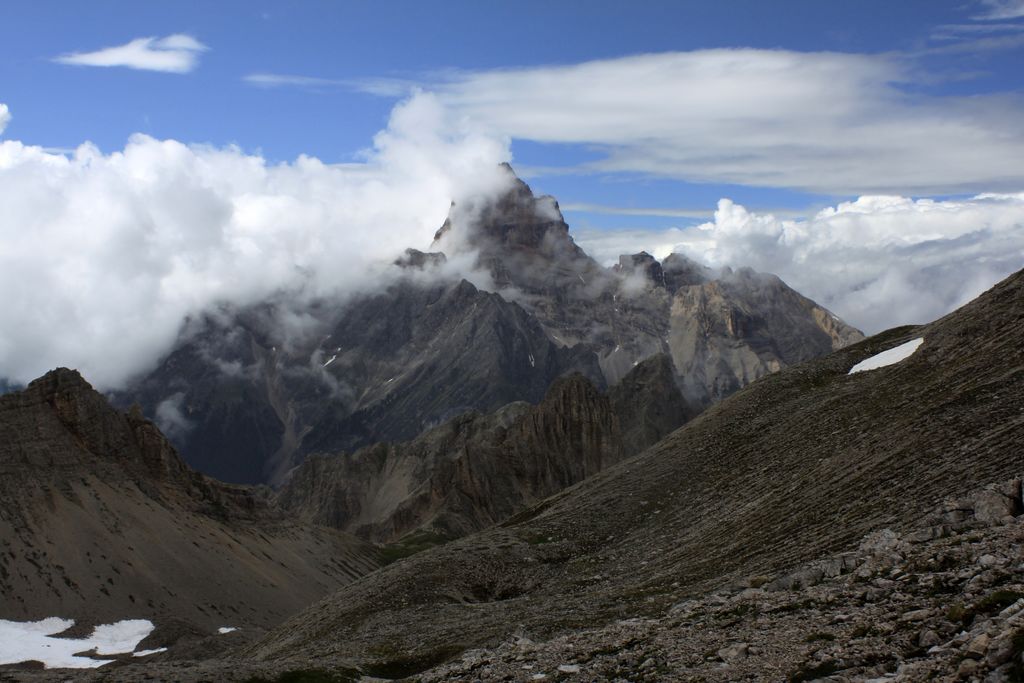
[(478, 470)]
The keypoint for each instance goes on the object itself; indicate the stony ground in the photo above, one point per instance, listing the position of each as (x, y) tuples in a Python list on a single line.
[(901, 608), (943, 601)]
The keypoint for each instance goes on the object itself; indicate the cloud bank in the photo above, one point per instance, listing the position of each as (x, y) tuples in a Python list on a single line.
[(104, 255), (878, 261), (177, 53), (836, 123)]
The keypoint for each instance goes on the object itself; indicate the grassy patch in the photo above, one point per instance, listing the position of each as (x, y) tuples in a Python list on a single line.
[(990, 604), (410, 544)]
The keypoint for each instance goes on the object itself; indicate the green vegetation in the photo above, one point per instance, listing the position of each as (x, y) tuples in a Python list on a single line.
[(990, 604), (410, 544)]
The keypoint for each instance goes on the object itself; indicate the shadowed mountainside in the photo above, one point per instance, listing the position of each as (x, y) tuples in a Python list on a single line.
[(476, 470), (801, 463), (102, 521)]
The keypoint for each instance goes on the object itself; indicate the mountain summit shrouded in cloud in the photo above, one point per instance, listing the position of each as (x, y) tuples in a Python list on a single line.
[(118, 249)]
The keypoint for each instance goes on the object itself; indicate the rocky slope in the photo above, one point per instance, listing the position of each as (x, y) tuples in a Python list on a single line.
[(102, 521), (477, 470), (246, 395), (799, 465)]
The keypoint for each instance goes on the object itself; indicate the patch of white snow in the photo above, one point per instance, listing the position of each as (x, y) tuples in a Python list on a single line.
[(226, 629), (533, 364), (146, 653), (890, 357), (33, 641), (331, 360)]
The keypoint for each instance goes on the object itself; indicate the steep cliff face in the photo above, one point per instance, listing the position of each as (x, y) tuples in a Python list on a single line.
[(102, 521), (727, 332), (469, 473), (252, 404), (477, 470), (649, 404)]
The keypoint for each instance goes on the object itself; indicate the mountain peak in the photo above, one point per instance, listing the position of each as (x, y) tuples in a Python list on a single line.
[(60, 379), (515, 218)]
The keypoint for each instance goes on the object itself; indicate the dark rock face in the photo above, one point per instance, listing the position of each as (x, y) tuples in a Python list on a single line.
[(643, 265), (393, 365), (467, 474), (246, 397), (102, 521), (649, 404), (414, 258), (477, 470)]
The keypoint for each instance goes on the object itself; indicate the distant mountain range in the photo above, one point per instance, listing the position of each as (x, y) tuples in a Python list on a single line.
[(245, 399)]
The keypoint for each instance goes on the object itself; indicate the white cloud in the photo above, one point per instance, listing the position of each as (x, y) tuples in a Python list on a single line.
[(383, 87), (877, 262), (5, 117), (177, 53), (104, 255), (1001, 9), (837, 123)]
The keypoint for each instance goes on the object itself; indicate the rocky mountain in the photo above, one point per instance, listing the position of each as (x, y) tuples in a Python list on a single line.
[(247, 394), (101, 521), (794, 469), (477, 470)]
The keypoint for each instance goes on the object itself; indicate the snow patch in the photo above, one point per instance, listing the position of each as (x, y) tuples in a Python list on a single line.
[(890, 357), (146, 653), (331, 360), (28, 641), (226, 629), (533, 363)]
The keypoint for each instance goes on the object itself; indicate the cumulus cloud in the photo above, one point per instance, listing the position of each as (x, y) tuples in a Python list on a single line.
[(177, 53), (838, 123), (878, 261), (5, 117), (105, 255)]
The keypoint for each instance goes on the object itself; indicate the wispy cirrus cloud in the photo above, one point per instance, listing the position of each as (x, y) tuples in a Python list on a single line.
[(832, 123), (177, 53), (1000, 9), (383, 87)]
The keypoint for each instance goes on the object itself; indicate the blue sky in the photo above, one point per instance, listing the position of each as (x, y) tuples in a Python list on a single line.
[(955, 49)]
